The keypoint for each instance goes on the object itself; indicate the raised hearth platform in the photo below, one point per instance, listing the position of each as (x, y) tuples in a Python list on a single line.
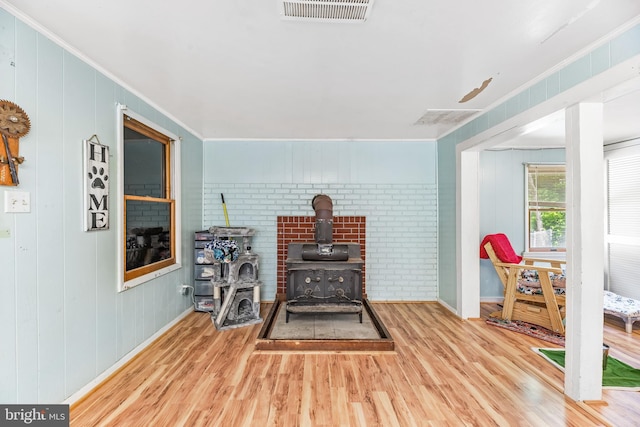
[(375, 339)]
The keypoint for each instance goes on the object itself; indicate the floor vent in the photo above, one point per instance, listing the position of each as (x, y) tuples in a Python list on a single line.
[(326, 10)]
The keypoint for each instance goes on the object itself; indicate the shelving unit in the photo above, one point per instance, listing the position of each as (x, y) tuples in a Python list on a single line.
[(236, 291), (205, 271)]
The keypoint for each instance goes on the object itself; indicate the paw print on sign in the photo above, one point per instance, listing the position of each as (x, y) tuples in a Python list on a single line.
[(98, 178)]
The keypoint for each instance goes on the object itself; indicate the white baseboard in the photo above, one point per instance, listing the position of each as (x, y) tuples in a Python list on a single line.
[(498, 300), (447, 306), (125, 359)]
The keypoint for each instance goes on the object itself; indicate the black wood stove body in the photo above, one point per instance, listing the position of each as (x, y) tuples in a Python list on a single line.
[(323, 277)]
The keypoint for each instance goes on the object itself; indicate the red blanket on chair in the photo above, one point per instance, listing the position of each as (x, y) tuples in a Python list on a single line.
[(501, 246)]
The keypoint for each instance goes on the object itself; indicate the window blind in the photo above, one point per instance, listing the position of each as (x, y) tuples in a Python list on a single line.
[(623, 225)]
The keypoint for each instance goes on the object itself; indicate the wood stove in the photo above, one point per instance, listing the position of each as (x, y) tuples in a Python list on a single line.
[(323, 277)]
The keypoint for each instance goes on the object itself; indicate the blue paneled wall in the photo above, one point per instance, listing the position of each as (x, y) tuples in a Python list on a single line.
[(62, 321)]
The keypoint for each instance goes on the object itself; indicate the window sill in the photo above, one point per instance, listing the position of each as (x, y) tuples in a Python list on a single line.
[(546, 255), (148, 277)]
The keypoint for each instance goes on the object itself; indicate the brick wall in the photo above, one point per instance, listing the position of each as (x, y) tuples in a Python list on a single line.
[(302, 229), (401, 229)]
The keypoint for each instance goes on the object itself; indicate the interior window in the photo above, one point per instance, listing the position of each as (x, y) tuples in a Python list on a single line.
[(148, 201), (546, 207)]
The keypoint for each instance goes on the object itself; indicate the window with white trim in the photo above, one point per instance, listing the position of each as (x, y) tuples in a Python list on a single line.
[(149, 200), (622, 166), (546, 207)]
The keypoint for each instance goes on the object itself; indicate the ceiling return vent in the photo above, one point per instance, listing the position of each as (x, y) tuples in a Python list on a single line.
[(445, 117), (326, 10)]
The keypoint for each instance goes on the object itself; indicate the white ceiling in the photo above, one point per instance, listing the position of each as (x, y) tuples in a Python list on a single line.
[(236, 69)]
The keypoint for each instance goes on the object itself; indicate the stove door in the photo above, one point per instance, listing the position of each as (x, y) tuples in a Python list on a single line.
[(324, 285), (306, 285), (343, 285)]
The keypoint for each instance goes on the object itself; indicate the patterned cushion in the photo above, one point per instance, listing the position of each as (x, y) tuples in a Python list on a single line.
[(618, 304), (530, 279), (531, 290)]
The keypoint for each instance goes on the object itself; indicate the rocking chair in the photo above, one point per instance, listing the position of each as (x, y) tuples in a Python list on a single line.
[(532, 293)]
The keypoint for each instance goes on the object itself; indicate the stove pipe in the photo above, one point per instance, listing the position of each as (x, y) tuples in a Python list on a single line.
[(324, 249), (323, 206)]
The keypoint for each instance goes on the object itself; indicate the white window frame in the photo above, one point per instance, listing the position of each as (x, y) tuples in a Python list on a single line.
[(175, 194), (551, 253)]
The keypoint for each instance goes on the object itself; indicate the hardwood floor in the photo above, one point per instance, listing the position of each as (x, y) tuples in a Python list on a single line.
[(444, 372)]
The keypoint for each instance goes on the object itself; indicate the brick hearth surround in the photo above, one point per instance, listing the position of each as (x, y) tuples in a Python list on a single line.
[(302, 229)]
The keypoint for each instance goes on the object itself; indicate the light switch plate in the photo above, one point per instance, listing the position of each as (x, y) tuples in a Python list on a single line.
[(17, 201)]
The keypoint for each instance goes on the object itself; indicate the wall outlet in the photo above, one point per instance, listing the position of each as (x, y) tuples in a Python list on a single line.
[(184, 289)]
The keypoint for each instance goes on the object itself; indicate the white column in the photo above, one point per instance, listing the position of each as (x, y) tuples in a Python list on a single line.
[(585, 251), (468, 231)]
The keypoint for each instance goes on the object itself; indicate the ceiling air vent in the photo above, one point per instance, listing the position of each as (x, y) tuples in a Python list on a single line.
[(326, 10), (445, 117)]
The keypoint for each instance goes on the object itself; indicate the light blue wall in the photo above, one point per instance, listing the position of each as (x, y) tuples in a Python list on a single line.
[(447, 223), (502, 203), (614, 52), (393, 184), (62, 322)]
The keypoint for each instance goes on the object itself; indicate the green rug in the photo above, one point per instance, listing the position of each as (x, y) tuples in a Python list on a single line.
[(617, 375)]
